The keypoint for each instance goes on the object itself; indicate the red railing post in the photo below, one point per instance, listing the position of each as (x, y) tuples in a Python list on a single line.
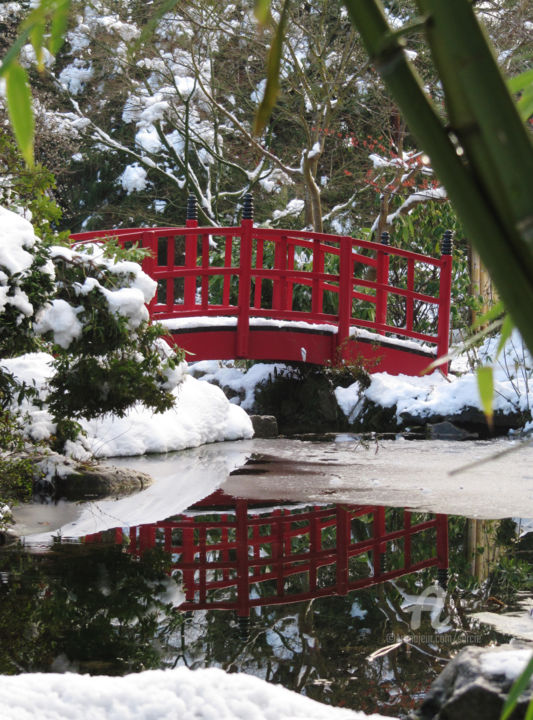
[(407, 539), (382, 278), (188, 552), (318, 268), (379, 546), (241, 540), (442, 549), (345, 292), (191, 250), (245, 267), (343, 531), (149, 240), (445, 293)]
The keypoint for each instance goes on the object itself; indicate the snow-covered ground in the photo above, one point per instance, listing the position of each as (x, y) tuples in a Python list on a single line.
[(202, 414), (179, 694)]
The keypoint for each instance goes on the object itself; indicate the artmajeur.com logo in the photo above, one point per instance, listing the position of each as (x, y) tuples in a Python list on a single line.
[(430, 600)]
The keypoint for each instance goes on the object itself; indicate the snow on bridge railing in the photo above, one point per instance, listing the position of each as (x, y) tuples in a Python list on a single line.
[(247, 271)]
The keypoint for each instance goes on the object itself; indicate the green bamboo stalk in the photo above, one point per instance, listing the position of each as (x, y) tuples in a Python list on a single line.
[(481, 111), (502, 243)]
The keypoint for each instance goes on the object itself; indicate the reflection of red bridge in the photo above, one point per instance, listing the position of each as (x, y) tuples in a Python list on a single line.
[(230, 293), (234, 559)]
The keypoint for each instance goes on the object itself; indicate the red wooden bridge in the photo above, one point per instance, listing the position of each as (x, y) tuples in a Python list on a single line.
[(233, 556), (284, 295)]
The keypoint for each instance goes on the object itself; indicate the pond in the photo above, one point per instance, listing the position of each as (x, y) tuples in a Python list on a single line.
[(265, 557)]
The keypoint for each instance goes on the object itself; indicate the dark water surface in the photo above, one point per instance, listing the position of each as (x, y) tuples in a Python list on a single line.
[(338, 601)]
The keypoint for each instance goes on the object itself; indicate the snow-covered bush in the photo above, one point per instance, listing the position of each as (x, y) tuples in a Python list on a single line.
[(89, 311)]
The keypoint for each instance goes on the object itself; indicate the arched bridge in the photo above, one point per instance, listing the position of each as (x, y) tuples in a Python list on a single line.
[(284, 295)]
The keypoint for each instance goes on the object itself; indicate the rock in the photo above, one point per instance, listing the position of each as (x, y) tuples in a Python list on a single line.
[(475, 684), (472, 420), (302, 401), (265, 426), (97, 481), (448, 431)]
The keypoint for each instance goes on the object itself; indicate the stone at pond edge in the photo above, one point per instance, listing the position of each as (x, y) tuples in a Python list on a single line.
[(265, 426), (465, 690), (448, 431), (303, 401), (64, 478), (100, 481)]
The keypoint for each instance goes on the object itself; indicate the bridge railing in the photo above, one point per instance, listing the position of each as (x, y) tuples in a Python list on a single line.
[(235, 559), (247, 271)]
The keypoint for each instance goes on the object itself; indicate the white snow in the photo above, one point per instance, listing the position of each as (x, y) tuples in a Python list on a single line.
[(509, 663), (294, 207), (434, 394), (16, 238), (133, 179), (62, 320), (209, 694), (129, 303), (75, 76), (202, 414), (242, 382)]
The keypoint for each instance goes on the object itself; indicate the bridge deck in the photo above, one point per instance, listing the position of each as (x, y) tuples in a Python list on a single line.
[(216, 338)]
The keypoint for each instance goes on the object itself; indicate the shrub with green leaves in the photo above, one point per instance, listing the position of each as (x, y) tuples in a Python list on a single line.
[(89, 311)]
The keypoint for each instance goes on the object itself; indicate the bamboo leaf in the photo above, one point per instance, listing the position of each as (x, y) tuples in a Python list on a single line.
[(59, 25), (262, 11), (507, 329), (520, 82), (273, 67), (37, 41), (485, 383), (523, 84), (517, 689), (12, 53), (492, 231), (468, 343), (492, 314), (525, 104), (529, 713), (20, 109)]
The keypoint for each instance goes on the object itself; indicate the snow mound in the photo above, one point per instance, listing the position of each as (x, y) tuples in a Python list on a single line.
[(180, 693)]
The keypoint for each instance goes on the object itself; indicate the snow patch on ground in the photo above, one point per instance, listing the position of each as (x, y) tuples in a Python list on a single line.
[(164, 694), (202, 414)]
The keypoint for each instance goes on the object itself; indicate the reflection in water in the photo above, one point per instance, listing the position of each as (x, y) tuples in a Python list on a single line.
[(231, 556), (305, 586)]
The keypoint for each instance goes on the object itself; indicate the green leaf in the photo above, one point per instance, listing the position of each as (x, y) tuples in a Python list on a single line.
[(517, 689), (262, 11), (525, 104), (12, 53), (529, 713), (20, 109), (520, 82), (494, 312), (507, 329), (59, 26), (485, 383), (37, 40), (273, 66), (523, 84)]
